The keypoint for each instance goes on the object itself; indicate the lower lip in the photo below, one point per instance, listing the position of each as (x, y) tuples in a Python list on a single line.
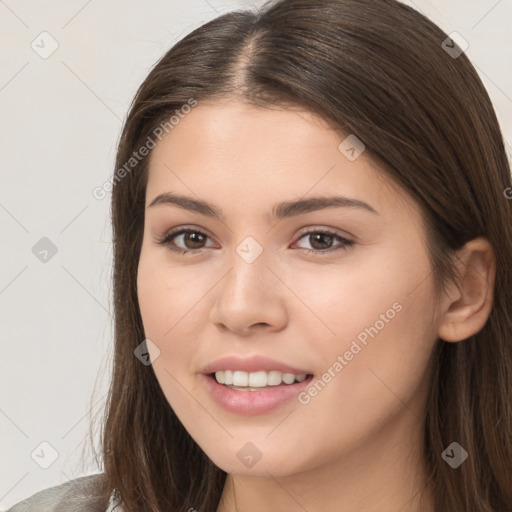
[(253, 402)]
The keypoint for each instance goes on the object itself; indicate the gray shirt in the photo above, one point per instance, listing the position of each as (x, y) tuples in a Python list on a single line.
[(78, 495)]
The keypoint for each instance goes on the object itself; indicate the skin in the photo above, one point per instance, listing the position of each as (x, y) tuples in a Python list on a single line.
[(357, 445)]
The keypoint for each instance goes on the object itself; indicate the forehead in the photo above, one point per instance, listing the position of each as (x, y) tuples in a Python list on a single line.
[(235, 152)]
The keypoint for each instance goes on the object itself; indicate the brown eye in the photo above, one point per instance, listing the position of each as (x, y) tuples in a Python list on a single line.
[(321, 242), (192, 240)]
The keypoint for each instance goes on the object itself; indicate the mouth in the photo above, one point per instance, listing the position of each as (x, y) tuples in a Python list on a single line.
[(240, 380), (249, 399)]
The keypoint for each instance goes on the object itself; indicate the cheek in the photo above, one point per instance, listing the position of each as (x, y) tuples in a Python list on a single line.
[(170, 305), (168, 296), (376, 384), (383, 364), (166, 300), (379, 317), (368, 287)]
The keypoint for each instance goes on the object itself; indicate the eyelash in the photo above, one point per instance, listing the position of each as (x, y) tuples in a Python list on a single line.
[(166, 241)]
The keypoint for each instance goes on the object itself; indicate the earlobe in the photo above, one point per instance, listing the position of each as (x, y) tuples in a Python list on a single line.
[(469, 301)]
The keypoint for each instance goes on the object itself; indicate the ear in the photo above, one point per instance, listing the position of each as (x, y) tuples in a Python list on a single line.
[(467, 303)]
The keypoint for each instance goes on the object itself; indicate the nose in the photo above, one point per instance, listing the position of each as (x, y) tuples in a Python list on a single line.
[(250, 298)]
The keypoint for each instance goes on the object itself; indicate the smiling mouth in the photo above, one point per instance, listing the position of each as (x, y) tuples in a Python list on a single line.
[(257, 381), (267, 390)]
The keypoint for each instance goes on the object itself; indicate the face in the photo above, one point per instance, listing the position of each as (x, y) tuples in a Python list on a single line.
[(339, 295)]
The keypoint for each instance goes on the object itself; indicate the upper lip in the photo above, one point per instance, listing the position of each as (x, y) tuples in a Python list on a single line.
[(251, 364)]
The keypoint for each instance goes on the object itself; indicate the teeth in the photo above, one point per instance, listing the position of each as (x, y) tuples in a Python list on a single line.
[(240, 378), (274, 378), (259, 379), (288, 378)]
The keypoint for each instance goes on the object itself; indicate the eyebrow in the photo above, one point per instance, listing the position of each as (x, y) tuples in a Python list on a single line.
[(279, 211)]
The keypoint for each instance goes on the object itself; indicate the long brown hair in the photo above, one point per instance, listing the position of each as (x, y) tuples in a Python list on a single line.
[(377, 69)]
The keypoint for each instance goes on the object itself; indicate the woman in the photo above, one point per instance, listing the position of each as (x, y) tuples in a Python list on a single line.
[(312, 277)]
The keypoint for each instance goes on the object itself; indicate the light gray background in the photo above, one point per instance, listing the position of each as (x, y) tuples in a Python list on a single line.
[(60, 122)]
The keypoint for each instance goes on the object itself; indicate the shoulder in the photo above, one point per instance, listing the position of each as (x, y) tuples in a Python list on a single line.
[(78, 495)]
